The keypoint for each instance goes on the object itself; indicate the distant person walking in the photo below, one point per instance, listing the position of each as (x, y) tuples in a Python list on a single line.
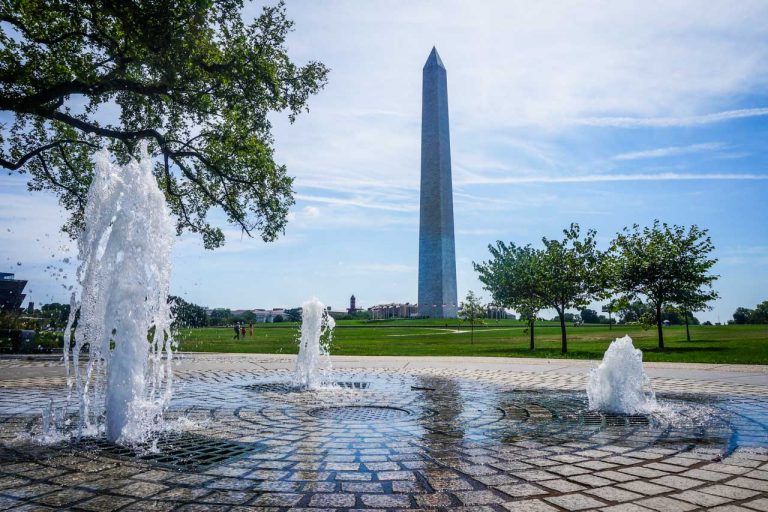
[(242, 331), (237, 332), (251, 327)]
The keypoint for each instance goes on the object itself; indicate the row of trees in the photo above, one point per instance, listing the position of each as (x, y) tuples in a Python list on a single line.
[(759, 315), (662, 267)]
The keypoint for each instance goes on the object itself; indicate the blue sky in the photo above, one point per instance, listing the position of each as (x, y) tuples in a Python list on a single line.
[(605, 115)]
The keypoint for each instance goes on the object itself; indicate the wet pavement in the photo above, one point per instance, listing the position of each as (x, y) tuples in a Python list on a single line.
[(402, 433)]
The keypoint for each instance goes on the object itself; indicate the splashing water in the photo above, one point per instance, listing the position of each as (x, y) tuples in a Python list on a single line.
[(313, 365), (125, 317), (619, 384)]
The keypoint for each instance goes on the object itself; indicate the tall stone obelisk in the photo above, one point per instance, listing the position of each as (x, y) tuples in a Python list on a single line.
[(437, 248)]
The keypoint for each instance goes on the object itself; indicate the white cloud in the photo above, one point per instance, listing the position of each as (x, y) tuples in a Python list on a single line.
[(666, 122), (358, 202), (670, 151), (477, 179)]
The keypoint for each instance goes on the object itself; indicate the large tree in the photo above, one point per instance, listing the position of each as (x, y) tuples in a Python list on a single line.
[(188, 76), (571, 274), (665, 266), (510, 275)]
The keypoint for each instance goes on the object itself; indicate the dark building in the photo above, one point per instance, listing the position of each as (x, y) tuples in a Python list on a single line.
[(11, 292), (352, 306)]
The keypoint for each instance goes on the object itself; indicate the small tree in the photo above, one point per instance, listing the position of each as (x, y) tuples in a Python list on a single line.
[(511, 278), (571, 274), (472, 310), (665, 266), (688, 304)]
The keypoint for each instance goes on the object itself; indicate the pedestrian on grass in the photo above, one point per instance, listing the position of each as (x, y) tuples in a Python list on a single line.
[(250, 325), (242, 331), (237, 332)]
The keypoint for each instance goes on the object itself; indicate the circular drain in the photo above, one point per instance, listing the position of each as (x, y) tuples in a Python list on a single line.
[(360, 413)]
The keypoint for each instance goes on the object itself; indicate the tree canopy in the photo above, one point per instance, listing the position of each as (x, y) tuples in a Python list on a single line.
[(511, 276), (666, 266), (189, 76), (759, 315), (571, 274)]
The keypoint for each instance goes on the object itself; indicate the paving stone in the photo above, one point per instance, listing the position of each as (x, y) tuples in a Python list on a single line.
[(478, 497), (591, 480), (759, 504), (750, 483), (521, 490), (528, 506), (277, 500), (646, 488), (728, 491), (617, 476), (433, 500), (703, 474), (105, 502), (614, 494), (575, 502), (386, 501), (332, 500), (625, 507), (677, 482), (700, 498), (362, 487), (561, 485), (664, 504)]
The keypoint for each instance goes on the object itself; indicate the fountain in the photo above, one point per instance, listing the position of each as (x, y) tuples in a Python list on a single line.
[(124, 315), (618, 385), (313, 365)]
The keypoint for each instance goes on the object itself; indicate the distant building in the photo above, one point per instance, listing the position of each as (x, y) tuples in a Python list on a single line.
[(352, 309), (267, 316), (11, 292), (494, 312), (385, 311)]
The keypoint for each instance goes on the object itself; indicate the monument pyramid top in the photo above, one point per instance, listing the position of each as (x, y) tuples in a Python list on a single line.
[(434, 59)]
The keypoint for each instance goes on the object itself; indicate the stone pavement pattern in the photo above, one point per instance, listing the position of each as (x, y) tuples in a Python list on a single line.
[(403, 434)]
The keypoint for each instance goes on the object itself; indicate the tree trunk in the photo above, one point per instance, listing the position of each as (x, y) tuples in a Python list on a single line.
[(533, 322), (564, 348), (687, 331), (659, 327)]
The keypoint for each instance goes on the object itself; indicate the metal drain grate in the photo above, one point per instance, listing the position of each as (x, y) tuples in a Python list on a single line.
[(270, 387), (177, 450), (360, 414), (354, 385), (613, 420)]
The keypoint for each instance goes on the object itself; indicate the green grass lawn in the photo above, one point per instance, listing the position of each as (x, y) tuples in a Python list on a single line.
[(743, 344)]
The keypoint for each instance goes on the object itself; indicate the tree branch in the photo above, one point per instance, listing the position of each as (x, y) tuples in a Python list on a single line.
[(37, 151)]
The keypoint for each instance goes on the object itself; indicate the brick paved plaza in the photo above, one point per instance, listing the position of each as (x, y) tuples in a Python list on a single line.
[(402, 433)]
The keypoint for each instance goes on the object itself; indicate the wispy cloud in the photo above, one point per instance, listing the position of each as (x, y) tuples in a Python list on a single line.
[(360, 203), (395, 268), (666, 122), (596, 178), (670, 151)]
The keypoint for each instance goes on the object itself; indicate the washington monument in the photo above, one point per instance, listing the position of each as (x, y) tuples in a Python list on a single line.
[(437, 248)]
